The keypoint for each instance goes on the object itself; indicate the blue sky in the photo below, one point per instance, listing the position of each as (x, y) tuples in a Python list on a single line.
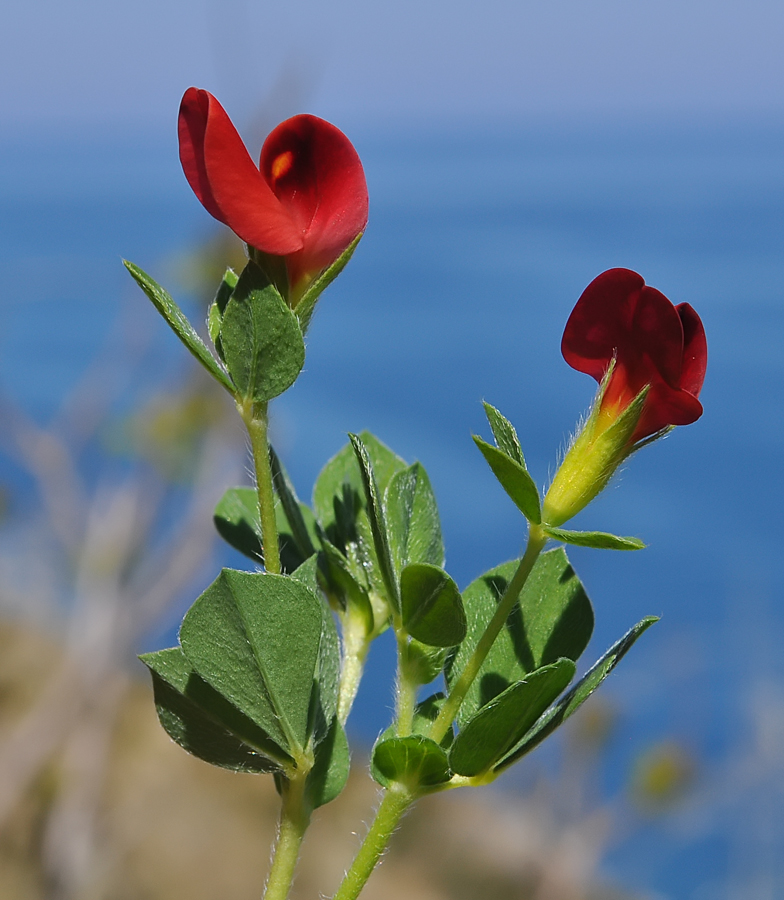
[(95, 62)]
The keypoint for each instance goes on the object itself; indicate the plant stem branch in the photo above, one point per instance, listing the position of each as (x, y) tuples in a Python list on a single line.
[(294, 820), (254, 415), (396, 801), (536, 541)]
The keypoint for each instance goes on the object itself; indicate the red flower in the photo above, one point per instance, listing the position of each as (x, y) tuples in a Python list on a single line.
[(652, 342), (306, 201)]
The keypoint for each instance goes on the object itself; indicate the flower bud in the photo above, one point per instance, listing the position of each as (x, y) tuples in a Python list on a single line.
[(649, 357)]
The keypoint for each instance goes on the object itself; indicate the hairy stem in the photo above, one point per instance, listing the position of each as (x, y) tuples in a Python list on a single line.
[(294, 820), (406, 687), (536, 541), (254, 415), (396, 801)]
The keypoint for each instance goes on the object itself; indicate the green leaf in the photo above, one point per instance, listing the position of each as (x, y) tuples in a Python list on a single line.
[(411, 515), (514, 479), (499, 725), (339, 494), (413, 760), (553, 619), (431, 607), (179, 324), (291, 557), (330, 769), (218, 306), (204, 723), (378, 526), (339, 504), (600, 540), (256, 639), (236, 518), (505, 435), (325, 698), (575, 698), (346, 584), (226, 289), (307, 303), (425, 713), (424, 662), (307, 573), (261, 338), (302, 531)]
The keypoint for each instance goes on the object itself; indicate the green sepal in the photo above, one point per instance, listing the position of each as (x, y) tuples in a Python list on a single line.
[(499, 725), (505, 435), (412, 521), (414, 760), (514, 479), (236, 519), (256, 638), (203, 722), (552, 619), (261, 338), (218, 306), (378, 526), (330, 769), (179, 324), (430, 606), (592, 459), (599, 540), (574, 698), (307, 303)]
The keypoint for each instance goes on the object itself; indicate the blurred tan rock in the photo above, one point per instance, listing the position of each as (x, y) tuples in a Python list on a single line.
[(172, 827)]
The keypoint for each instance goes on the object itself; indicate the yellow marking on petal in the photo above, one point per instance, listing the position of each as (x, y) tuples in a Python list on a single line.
[(282, 164)]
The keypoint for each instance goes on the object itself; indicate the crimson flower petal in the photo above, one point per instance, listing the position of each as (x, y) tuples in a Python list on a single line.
[(315, 172), (695, 350), (226, 180), (652, 342)]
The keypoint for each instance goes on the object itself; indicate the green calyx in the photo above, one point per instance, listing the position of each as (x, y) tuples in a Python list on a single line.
[(592, 460)]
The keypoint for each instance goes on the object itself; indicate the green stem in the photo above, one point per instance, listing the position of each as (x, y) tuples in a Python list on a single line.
[(536, 541), (406, 686), (396, 801), (294, 820), (254, 415), (355, 649)]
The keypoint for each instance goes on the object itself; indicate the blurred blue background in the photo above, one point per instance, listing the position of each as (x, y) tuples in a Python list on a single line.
[(512, 155)]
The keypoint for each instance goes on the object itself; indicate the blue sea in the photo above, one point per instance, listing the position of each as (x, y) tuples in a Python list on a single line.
[(480, 241)]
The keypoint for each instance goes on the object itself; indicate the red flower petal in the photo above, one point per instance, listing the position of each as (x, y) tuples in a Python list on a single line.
[(653, 343), (600, 320), (225, 179), (695, 350), (315, 172)]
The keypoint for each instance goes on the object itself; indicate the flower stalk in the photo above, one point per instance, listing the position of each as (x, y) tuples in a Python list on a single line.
[(536, 541), (254, 415)]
